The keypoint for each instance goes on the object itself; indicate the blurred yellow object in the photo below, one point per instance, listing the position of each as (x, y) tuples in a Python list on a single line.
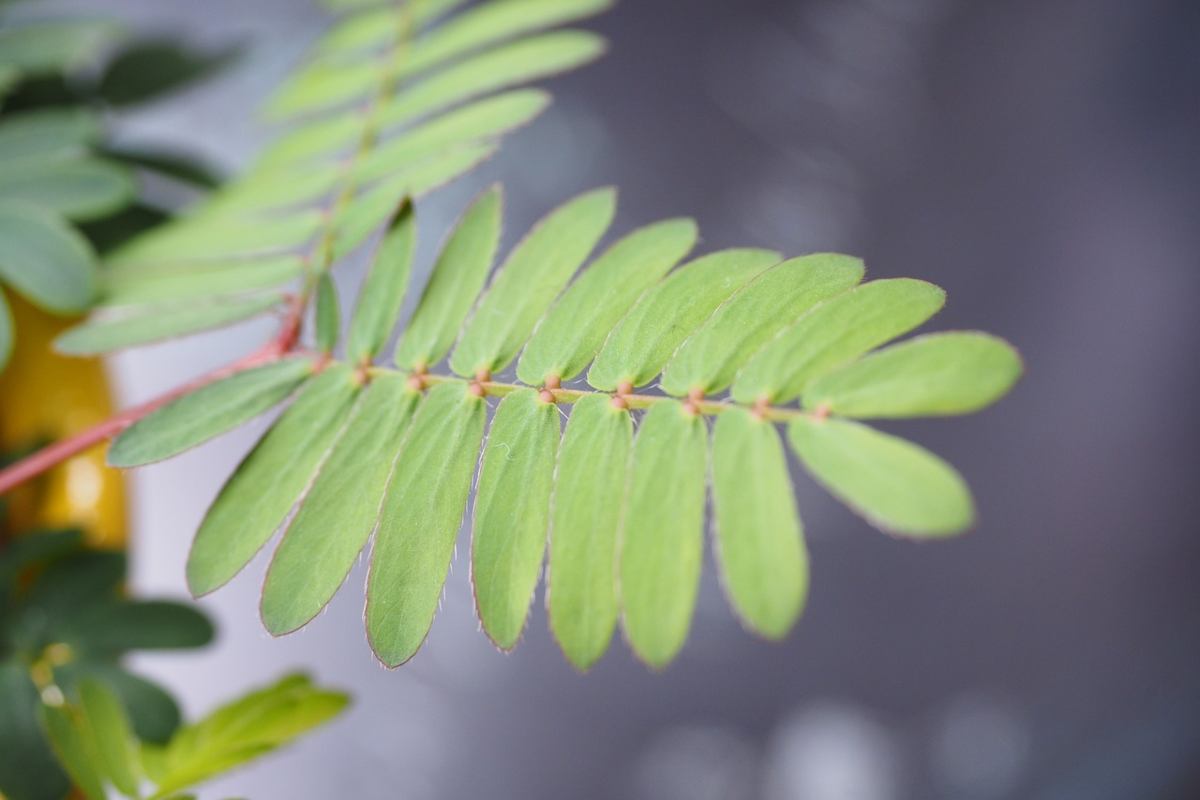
[(45, 397)]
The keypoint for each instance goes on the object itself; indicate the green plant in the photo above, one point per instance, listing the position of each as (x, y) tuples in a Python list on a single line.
[(365, 450)]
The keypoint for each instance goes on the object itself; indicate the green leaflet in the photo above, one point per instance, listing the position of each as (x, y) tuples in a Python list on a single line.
[(510, 65), (935, 375), (114, 627), (895, 485), (457, 277), (6, 331), (662, 534), (383, 291), (273, 188), (834, 333), (214, 236), (56, 46), (535, 272), (147, 324), (152, 711), (44, 259), (256, 499), (112, 736), (207, 412), (77, 188), (760, 549), (572, 333), (376, 26), (28, 770), (323, 84), (48, 134), (667, 314), (67, 732), (480, 121), (371, 209), (245, 730), (341, 509), (512, 511), (589, 488), (325, 136), (327, 317), (142, 284), (709, 359), (421, 517)]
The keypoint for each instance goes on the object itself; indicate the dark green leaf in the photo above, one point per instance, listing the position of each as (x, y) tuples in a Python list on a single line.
[(151, 68), (258, 496), (207, 412), (760, 548), (143, 625), (662, 537), (589, 489), (47, 134), (28, 769), (512, 513), (421, 517)]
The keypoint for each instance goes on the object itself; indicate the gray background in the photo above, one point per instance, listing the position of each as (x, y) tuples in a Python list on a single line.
[(1038, 158)]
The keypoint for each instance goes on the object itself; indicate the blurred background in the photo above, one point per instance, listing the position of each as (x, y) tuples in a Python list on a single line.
[(1038, 158)]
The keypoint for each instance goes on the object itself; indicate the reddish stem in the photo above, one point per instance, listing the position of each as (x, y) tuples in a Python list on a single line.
[(33, 465)]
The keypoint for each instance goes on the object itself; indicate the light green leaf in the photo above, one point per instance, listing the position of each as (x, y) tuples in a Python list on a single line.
[(46, 134), (573, 331), (327, 83), (142, 325), (65, 728), (834, 333), (207, 412), (77, 188), (141, 284), (245, 730), (935, 375), (256, 499), (218, 237), (6, 332), (112, 736), (662, 533), (512, 513), (271, 188), (327, 316), (455, 282), (376, 27), (896, 485), (710, 358), (341, 510), (151, 710), (421, 517), (317, 138), (383, 291), (480, 121), (760, 549), (510, 65), (667, 314), (535, 272), (589, 489), (44, 259), (116, 627)]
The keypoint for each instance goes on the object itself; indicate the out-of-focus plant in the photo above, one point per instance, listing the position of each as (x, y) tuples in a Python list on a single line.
[(392, 103)]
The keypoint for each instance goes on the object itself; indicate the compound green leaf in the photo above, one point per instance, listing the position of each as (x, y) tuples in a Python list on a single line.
[(897, 486), (834, 333), (48, 134), (457, 277), (77, 188), (140, 325), (573, 332), (115, 627), (341, 510), (480, 121), (524, 288), (709, 359), (589, 489), (327, 318), (510, 65), (44, 259), (207, 412), (760, 549), (256, 499), (421, 517), (935, 375), (512, 513), (667, 314), (67, 732), (383, 291), (662, 533), (112, 737)]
